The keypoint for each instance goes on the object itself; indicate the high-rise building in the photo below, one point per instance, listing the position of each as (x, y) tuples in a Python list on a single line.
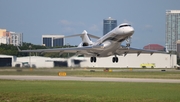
[(108, 25), (178, 48), (16, 39), (172, 29), (52, 40), (7, 37)]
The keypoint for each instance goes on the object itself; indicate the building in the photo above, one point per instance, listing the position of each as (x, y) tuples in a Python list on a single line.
[(7, 61), (154, 47), (108, 25), (172, 29), (8, 37), (2, 32), (40, 62), (156, 60), (16, 39), (178, 48), (3, 38), (53, 40)]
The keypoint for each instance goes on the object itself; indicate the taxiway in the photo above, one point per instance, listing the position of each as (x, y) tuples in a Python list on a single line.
[(72, 78)]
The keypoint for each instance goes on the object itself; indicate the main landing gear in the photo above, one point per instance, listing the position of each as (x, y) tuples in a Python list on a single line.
[(93, 59), (115, 59)]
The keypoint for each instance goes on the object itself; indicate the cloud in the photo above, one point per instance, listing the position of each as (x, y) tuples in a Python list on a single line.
[(69, 26), (148, 26), (76, 26), (70, 23), (79, 24), (65, 23), (127, 21), (94, 28), (68, 29)]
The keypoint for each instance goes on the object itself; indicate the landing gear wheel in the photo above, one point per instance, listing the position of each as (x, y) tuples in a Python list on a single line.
[(115, 59), (93, 59)]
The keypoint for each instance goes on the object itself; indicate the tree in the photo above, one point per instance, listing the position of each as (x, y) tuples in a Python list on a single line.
[(12, 50)]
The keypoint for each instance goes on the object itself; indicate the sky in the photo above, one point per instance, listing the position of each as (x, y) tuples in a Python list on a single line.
[(35, 18)]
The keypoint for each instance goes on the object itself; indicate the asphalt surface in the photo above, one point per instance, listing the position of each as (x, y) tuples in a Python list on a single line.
[(72, 78)]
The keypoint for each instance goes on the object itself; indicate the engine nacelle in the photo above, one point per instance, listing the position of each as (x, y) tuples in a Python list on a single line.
[(106, 44), (85, 44)]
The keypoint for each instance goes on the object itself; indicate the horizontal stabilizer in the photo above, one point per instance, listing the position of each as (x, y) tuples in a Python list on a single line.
[(90, 35), (70, 36)]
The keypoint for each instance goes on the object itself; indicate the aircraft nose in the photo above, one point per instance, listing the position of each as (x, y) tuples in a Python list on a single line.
[(129, 30)]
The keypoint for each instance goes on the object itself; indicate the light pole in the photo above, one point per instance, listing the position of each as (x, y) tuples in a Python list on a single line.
[(30, 56), (68, 47)]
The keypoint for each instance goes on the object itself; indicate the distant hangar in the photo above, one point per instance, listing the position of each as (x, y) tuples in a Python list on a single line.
[(7, 61), (156, 60)]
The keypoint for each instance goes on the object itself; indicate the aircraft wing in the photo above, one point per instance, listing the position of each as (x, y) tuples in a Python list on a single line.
[(93, 49), (67, 50), (125, 51)]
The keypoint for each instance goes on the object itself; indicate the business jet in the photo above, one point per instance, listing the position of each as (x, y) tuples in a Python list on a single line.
[(107, 45)]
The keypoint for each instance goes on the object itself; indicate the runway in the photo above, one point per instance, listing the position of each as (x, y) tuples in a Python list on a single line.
[(72, 78)]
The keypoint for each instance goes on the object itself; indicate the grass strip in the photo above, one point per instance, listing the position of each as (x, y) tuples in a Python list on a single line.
[(79, 91)]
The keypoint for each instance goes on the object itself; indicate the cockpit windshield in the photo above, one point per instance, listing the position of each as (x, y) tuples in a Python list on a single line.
[(124, 26)]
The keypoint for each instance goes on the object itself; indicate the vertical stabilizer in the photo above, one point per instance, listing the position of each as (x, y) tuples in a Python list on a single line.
[(86, 41)]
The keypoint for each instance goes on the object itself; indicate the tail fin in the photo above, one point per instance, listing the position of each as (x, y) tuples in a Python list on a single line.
[(86, 41)]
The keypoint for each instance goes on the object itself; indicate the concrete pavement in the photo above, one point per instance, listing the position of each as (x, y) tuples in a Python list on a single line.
[(72, 78)]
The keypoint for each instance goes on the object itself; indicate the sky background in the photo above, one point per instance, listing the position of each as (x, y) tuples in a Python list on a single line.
[(34, 18)]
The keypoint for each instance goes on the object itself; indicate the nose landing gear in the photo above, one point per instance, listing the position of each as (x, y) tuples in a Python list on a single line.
[(128, 42)]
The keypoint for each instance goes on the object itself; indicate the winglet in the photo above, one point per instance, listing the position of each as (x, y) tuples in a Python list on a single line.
[(18, 49)]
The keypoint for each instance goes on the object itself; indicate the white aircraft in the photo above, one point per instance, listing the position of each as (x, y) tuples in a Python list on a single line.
[(107, 45)]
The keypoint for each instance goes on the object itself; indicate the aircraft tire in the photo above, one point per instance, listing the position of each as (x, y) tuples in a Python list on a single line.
[(113, 59), (94, 59), (91, 59), (116, 58)]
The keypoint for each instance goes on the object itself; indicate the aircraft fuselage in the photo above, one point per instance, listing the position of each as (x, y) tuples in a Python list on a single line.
[(112, 40)]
